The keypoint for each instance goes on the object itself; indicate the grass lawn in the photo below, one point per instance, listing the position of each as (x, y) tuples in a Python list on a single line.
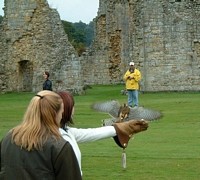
[(168, 150)]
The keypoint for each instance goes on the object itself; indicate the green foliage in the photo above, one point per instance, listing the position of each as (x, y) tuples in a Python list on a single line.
[(1, 19), (69, 29), (168, 150), (80, 34)]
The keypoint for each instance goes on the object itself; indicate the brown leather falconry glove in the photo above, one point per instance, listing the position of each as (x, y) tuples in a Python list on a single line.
[(125, 130)]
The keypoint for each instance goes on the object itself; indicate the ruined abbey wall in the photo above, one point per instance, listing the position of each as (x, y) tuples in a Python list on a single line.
[(162, 37), (33, 40)]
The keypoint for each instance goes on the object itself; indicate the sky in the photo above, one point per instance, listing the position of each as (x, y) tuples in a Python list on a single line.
[(71, 10)]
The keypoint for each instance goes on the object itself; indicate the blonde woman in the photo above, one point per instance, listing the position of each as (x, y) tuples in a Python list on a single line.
[(35, 149)]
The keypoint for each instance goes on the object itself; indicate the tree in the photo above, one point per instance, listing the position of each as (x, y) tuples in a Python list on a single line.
[(80, 34), (1, 19)]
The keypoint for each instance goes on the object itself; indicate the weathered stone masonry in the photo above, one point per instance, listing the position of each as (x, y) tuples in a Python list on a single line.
[(32, 41), (161, 36)]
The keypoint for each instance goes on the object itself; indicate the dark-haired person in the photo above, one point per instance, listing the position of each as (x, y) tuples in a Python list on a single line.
[(47, 85), (121, 132), (35, 149)]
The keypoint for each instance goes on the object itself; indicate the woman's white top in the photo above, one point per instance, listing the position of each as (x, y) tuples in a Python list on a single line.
[(76, 135)]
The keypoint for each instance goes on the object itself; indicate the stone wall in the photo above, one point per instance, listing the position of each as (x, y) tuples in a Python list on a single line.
[(162, 37), (33, 40)]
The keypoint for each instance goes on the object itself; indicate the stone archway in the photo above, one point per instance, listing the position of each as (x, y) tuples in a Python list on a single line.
[(25, 75)]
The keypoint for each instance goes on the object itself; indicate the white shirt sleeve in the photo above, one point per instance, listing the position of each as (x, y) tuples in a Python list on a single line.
[(78, 135), (92, 134)]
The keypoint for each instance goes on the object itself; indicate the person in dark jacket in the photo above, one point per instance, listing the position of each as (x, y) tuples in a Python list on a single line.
[(47, 85), (35, 149)]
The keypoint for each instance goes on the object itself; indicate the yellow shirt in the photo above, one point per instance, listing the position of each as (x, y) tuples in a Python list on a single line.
[(132, 79)]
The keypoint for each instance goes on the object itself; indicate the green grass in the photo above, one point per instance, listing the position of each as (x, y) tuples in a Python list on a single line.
[(169, 149)]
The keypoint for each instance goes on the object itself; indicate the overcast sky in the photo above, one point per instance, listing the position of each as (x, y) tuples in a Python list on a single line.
[(71, 10)]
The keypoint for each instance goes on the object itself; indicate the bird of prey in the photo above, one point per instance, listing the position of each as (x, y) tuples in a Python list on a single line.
[(120, 113)]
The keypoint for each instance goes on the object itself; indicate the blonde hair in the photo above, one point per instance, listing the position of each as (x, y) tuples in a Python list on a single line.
[(39, 121)]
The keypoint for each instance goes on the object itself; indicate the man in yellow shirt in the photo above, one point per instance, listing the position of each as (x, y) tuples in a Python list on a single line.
[(132, 78)]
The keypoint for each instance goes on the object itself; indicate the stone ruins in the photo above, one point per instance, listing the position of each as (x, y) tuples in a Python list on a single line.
[(162, 37)]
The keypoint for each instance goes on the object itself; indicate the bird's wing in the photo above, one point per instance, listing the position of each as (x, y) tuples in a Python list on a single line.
[(144, 113), (109, 122), (110, 107), (137, 113)]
